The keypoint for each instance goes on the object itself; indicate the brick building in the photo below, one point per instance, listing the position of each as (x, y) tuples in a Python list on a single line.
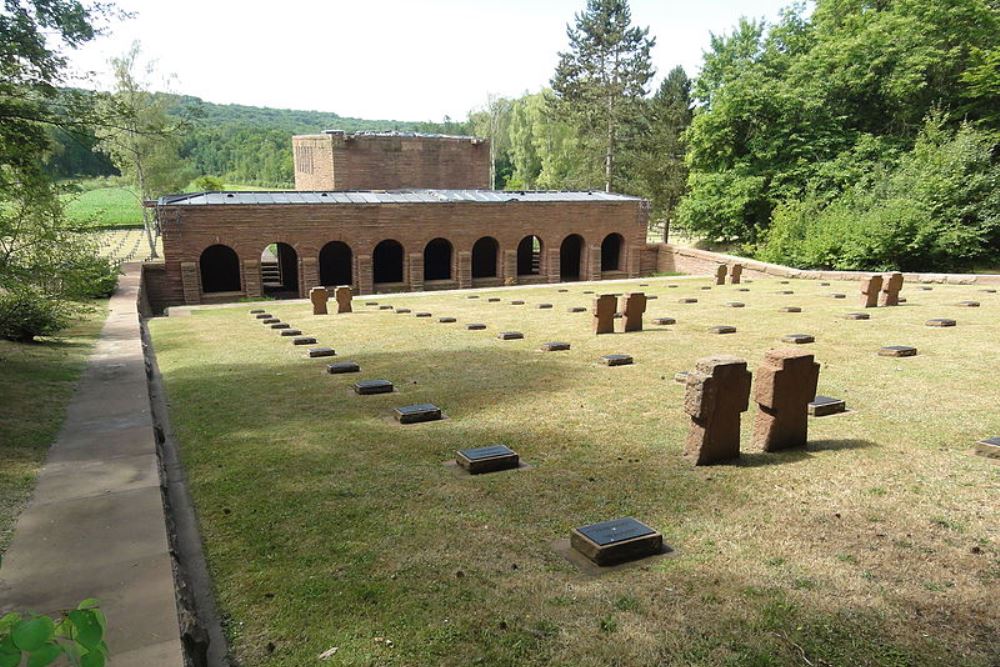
[(222, 246), (336, 160)]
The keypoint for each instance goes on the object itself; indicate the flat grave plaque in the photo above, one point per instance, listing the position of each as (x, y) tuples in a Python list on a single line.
[(798, 338), (447, 320), (897, 351), (901, 300), (343, 367), (257, 311), (968, 304), (544, 305), (664, 321), (369, 387), (290, 332), (385, 307), (990, 448), (402, 311), (616, 359), (643, 284), (924, 288), (742, 289), (589, 291), (616, 541), (722, 329), (941, 322), (651, 297), (270, 320), (475, 326), (782, 282), (857, 316), (263, 316), (988, 291), (510, 335), (784, 291), (705, 287), (517, 302), (681, 377), (472, 296), (791, 309), (576, 309), (422, 314), (821, 406), (480, 460), (735, 304), (321, 352), (838, 296), (281, 325), (554, 346), (687, 300), (303, 340), (419, 412), (563, 290), (824, 284), (671, 286), (493, 299), (371, 303)]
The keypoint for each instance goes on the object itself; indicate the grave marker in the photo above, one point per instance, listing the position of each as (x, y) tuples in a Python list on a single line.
[(475, 326), (897, 351), (871, 287), (736, 274), (290, 332), (257, 311), (968, 304), (510, 335), (576, 309), (544, 306), (664, 321), (716, 392), (343, 296), (798, 338), (419, 412), (493, 299), (990, 448), (616, 541), (472, 296), (343, 367), (318, 297), (616, 359), (402, 311), (891, 285), (303, 340), (271, 320), (941, 322), (554, 346), (791, 309), (604, 314), (857, 316), (681, 377), (263, 316), (786, 384), (687, 299), (517, 302), (720, 274), (280, 325), (447, 320), (632, 305), (369, 387), (321, 352), (385, 307), (492, 458), (823, 406), (722, 329), (422, 314), (735, 304)]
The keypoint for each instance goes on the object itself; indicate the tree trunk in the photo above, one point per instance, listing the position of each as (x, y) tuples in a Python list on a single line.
[(147, 225)]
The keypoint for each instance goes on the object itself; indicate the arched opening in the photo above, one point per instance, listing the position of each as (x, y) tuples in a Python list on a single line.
[(611, 252), (437, 260), (335, 264), (220, 269), (387, 262), (529, 256), (279, 271), (570, 256), (484, 257)]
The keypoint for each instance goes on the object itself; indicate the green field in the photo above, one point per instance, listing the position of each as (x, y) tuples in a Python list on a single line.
[(36, 384), (328, 525)]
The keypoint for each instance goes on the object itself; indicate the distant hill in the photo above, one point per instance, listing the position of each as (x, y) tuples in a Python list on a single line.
[(238, 143)]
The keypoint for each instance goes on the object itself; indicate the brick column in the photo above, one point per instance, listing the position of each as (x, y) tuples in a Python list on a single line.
[(366, 284), (251, 277), (551, 268), (464, 269), (416, 271), (632, 261), (593, 263), (508, 267), (309, 275), (191, 282)]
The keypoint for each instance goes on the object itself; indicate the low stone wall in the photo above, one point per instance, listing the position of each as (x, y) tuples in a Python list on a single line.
[(677, 259), (156, 293)]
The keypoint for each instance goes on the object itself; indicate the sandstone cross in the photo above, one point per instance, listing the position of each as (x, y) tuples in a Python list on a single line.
[(786, 384), (891, 286), (343, 296), (715, 394), (318, 296), (735, 274), (870, 288), (720, 274), (604, 314), (632, 305)]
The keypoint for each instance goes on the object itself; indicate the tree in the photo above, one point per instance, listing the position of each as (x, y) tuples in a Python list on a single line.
[(662, 168), (144, 139), (600, 83), (493, 121)]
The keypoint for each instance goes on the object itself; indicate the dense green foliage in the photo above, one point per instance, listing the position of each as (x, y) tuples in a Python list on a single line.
[(38, 640), (855, 129)]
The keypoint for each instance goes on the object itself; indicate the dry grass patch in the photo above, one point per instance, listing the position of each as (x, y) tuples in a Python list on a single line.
[(326, 524)]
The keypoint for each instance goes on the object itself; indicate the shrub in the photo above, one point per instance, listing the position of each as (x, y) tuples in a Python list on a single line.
[(28, 312), (91, 277), (208, 183)]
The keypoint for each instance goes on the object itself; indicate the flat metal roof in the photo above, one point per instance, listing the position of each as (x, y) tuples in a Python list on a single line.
[(291, 197)]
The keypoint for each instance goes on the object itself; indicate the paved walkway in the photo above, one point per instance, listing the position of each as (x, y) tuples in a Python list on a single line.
[(95, 526)]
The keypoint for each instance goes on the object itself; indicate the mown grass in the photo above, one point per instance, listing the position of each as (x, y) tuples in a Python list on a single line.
[(36, 383), (328, 525)]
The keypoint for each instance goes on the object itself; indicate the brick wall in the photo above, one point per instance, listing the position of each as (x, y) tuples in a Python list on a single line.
[(248, 229), (339, 161)]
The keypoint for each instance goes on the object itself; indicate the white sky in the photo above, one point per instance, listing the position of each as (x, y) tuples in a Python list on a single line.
[(380, 59)]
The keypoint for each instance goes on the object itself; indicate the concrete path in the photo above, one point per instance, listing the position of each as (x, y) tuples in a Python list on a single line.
[(95, 526)]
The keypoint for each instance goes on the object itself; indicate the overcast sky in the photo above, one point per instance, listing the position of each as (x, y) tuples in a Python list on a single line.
[(379, 59)]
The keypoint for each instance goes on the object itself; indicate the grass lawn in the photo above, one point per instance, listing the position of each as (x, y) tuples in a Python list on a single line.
[(326, 524), (36, 384)]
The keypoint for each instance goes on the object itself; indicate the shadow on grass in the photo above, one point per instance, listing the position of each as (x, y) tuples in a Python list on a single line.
[(755, 459)]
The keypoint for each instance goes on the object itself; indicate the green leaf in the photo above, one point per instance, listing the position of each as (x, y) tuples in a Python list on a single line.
[(10, 659), (93, 659), (89, 603), (32, 634), (45, 655), (88, 628), (9, 620)]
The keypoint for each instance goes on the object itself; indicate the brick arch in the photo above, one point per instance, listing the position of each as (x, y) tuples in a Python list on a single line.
[(389, 262), (219, 269), (531, 255), (284, 276), (613, 252), (485, 257), (439, 259), (336, 263), (572, 257)]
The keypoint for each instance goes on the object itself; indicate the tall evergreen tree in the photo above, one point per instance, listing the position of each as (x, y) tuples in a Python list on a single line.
[(600, 82)]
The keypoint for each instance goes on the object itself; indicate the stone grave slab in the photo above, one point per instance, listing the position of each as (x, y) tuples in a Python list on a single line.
[(681, 377), (422, 314), (576, 309), (784, 291), (671, 286), (897, 351), (370, 387), (281, 325), (343, 367), (510, 335), (735, 304), (385, 307), (722, 329), (838, 296), (493, 299), (616, 541), (479, 460), (742, 289), (941, 322), (544, 306), (791, 309), (475, 326), (687, 300), (664, 321), (290, 332), (643, 284), (371, 303), (968, 304), (824, 284), (402, 311), (988, 291), (798, 338), (472, 296), (705, 287), (303, 340), (517, 302), (419, 412), (315, 352), (263, 316), (447, 320), (271, 320), (554, 346), (589, 291), (651, 297), (990, 448), (857, 316), (563, 290), (257, 311), (923, 288), (822, 406), (783, 282), (616, 359), (901, 300)]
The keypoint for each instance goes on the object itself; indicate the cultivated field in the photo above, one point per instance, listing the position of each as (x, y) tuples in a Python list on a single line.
[(327, 525)]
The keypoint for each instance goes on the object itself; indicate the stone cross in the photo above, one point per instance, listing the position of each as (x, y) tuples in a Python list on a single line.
[(720, 274), (735, 274), (890, 289), (716, 392), (318, 296), (343, 296), (633, 305), (870, 288), (604, 314), (786, 384)]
